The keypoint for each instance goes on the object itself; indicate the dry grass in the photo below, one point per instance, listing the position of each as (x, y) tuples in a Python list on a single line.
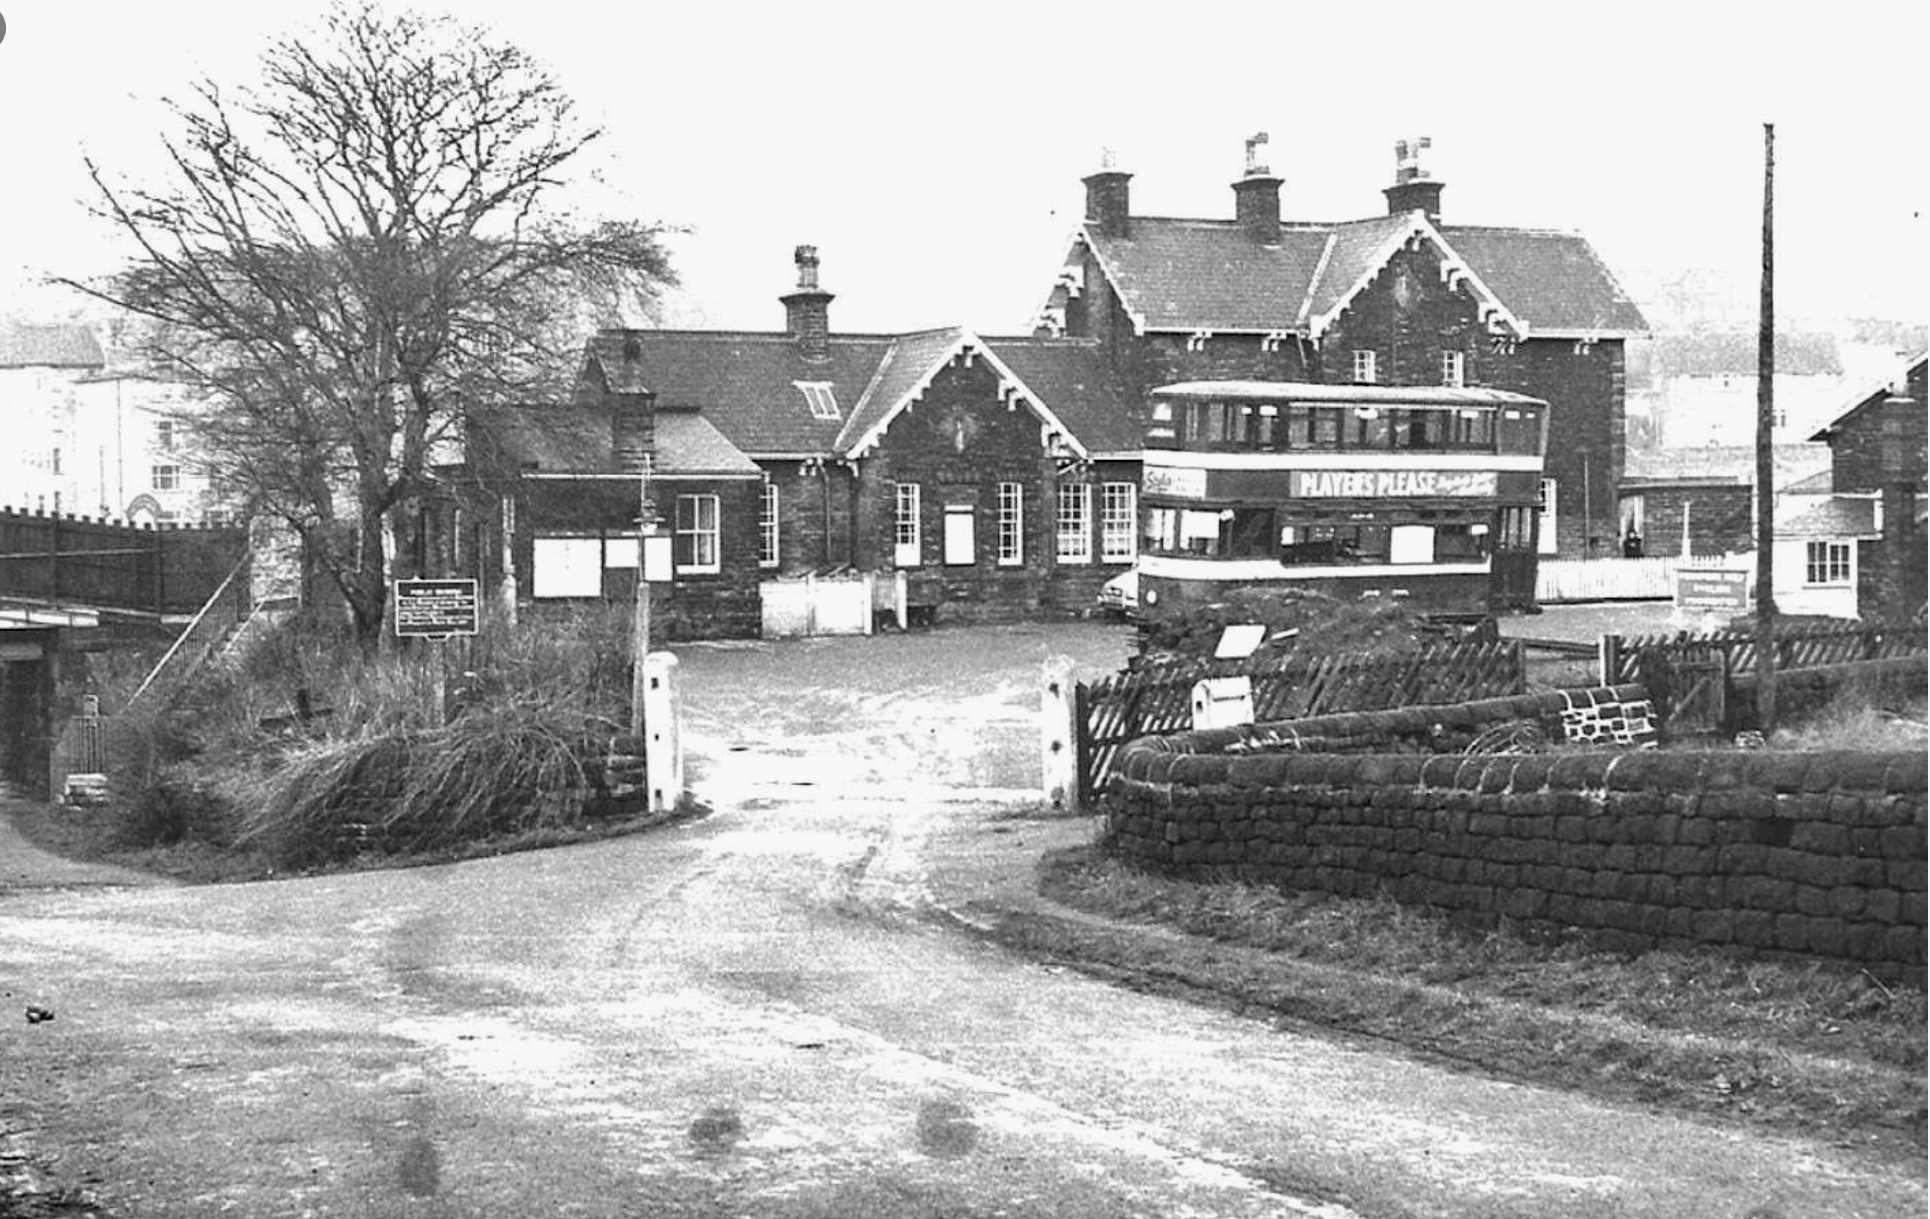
[(1807, 1047)]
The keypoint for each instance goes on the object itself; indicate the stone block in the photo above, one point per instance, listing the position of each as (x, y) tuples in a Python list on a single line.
[(1713, 926), (1828, 936), (1902, 842), (1792, 932), (1755, 928), (1903, 945), (1882, 905)]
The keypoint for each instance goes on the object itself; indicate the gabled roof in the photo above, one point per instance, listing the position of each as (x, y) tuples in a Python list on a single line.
[(54, 346), (1210, 275), (1820, 483), (575, 439), (746, 385), (1869, 396)]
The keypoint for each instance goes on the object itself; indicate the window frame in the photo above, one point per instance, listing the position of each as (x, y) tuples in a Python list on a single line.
[(1072, 524), (1829, 557), (164, 476), (768, 553), (1454, 369), (1011, 524), (1547, 512), (697, 534), (1367, 361), (1118, 526), (907, 531)]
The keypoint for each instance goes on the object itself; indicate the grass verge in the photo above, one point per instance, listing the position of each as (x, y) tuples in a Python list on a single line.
[(1806, 1049)]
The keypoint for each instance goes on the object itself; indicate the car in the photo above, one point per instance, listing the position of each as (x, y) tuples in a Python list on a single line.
[(1120, 595)]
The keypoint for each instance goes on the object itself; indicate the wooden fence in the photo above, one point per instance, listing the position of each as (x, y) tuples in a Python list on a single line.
[(1114, 710), (111, 565), (1644, 579), (1797, 647)]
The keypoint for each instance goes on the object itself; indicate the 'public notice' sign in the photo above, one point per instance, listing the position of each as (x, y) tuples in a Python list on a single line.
[(1714, 590), (433, 608)]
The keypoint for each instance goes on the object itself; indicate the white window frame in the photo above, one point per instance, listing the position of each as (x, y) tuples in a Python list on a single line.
[(165, 477), (1454, 369), (767, 527), (1829, 557), (1366, 366), (961, 535), (164, 435), (1073, 523), (1118, 522), (819, 399), (1011, 524), (1549, 541), (907, 534), (704, 536)]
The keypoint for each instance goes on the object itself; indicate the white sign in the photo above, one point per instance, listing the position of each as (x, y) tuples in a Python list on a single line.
[(1178, 483), (1222, 702), (1392, 484)]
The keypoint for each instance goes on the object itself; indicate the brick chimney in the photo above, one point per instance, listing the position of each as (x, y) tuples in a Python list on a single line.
[(633, 417), (807, 311), (1414, 189), (1108, 202), (1256, 197)]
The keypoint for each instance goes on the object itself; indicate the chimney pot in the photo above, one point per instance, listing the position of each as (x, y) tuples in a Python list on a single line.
[(1108, 199), (807, 311), (1414, 186), (1256, 197)]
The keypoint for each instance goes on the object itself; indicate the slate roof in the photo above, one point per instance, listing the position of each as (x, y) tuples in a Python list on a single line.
[(1723, 463), (576, 439), (744, 386), (1837, 517), (744, 382), (55, 346), (1177, 274), (1871, 395)]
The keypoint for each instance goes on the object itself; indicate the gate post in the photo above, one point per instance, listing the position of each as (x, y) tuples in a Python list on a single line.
[(663, 743), (1057, 733), (1609, 659)]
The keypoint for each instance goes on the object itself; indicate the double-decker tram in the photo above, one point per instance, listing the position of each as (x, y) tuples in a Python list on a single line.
[(1426, 494)]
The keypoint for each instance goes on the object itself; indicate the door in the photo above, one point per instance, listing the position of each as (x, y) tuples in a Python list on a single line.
[(1511, 567)]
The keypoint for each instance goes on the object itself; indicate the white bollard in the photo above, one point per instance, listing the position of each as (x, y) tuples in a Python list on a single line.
[(663, 740), (1058, 742)]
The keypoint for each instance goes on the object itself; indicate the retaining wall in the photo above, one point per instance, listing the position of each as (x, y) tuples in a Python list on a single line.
[(1817, 854)]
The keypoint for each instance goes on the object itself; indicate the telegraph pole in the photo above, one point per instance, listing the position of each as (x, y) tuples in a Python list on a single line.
[(1765, 464)]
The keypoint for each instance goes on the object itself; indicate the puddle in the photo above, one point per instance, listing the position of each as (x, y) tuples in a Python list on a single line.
[(946, 1130)]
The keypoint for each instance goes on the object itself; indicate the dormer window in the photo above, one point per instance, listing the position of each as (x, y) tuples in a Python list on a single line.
[(1365, 370), (817, 396)]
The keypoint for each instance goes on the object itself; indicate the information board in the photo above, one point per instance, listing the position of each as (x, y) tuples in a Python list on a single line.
[(431, 609), (1711, 590)]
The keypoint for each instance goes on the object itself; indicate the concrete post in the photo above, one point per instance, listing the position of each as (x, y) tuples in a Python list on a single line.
[(663, 742), (1058, 747)]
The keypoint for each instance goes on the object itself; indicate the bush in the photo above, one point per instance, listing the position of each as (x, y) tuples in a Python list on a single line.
[(1297, 619)]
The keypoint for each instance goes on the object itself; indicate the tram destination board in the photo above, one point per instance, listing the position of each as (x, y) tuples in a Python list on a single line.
[(431, 609)]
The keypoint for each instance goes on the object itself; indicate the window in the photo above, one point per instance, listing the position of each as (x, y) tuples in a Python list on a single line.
[(1118, 517), (1364, 368), (696, 536), (1368, 428), (1011, 524), (1075, 523), (166, 478), (1545, 509), (1453, 369), (1828, 563), (56, 461), (961, 535), (908, 541), (818, 397), (164, 436), (767, 527)]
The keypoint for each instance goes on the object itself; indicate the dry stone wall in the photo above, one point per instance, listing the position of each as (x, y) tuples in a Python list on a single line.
[(1819, 854)]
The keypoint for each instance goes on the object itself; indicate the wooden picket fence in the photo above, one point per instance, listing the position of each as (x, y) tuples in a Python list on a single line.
[(1799, 647), (1158, 699)]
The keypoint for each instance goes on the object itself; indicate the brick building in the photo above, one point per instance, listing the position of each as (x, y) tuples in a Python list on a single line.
[(1878, 455), (999, 474), (1403, 298)]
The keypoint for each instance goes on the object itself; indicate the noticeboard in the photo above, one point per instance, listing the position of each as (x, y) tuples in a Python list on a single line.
[(432, 609), (1712, 589)]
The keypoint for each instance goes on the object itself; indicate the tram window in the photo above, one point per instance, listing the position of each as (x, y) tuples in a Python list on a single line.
[(1410, 544), (1471, 429), (1369, 429), (1460, 543), (1263, 425), (1299, 427), (1326, 427), (1162, 530), (1249, 534)]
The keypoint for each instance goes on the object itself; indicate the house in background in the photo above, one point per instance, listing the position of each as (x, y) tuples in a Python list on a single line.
[(1699, 387), (40, 370), (1878, 457), (1403, 298), (999, 475)]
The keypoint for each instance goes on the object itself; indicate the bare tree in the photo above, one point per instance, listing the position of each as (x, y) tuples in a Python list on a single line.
[(357, 254)]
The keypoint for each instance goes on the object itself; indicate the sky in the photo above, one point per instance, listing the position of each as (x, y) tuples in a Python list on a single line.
[(933, 154)]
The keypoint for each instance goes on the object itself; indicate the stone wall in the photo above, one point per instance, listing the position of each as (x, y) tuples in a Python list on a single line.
[(1817, 855)]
